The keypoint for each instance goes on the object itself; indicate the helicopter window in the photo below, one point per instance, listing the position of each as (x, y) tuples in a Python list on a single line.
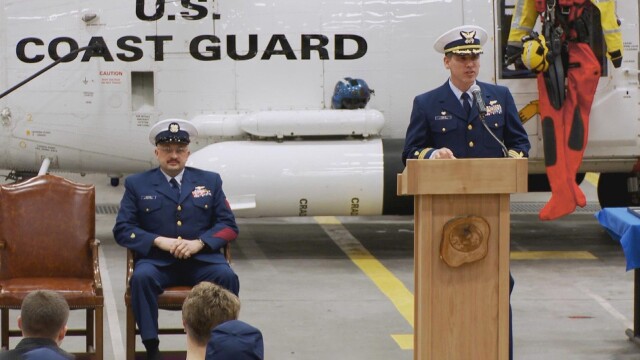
[(142, 91)]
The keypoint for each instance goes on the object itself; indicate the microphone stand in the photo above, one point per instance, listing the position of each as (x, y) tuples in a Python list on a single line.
[(505, 152)]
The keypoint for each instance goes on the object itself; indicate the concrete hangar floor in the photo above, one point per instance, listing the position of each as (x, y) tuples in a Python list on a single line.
[(314, 300)]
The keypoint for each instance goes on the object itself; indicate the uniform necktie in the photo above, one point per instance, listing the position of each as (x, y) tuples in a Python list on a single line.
[(465, 102), (175, 186)]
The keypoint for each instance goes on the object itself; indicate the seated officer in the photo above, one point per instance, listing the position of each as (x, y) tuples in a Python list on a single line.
[(176, 220)]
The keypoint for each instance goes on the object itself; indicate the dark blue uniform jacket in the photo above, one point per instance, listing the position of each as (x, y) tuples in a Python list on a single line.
[(36, 349), (235, 340), (439, 120), (150, 208)]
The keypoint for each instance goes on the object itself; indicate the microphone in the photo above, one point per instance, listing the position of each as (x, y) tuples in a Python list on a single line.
[(477, 96), (482, 109)]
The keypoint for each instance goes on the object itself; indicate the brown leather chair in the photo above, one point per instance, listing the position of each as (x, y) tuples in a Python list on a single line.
[(171, 299), (47, 241)]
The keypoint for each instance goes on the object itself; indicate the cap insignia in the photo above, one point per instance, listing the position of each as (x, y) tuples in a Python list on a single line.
[(469, 36), (174, 127)]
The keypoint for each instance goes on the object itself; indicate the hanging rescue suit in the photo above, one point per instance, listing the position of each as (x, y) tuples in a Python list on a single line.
[(567, 88)]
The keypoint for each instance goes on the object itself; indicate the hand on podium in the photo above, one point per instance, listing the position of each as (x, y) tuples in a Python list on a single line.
[(515, 154), (442, 153)]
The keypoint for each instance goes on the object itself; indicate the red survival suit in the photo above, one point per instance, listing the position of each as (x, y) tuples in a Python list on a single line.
[(567, 88)]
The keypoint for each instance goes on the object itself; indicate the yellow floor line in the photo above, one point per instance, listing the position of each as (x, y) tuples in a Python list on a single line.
[(384, 279), (391, 286), (405, 341), (592, 178)]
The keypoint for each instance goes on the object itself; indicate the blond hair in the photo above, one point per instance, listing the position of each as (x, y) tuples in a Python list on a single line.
[(207, 306)]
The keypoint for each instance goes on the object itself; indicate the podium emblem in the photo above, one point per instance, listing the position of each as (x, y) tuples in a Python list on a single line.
[(464, 240)]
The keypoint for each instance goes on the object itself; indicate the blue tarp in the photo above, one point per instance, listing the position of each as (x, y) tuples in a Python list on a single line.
[(624, 227)]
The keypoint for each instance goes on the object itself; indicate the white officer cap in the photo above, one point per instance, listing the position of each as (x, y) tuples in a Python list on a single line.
[(462, 40), (172, 131)]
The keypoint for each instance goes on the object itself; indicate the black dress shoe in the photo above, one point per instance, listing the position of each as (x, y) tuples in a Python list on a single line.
[(153, 351), (154, 355)]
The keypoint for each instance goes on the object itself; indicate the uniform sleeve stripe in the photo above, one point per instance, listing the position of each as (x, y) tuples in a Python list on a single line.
[(424, 152), (225, 234)]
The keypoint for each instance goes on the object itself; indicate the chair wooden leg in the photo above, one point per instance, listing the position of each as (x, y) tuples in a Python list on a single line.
[(4, 319), (99, 333), (89, 328), (131, 334)]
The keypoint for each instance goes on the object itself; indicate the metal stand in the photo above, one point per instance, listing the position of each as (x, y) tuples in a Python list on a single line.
[(634, 334)]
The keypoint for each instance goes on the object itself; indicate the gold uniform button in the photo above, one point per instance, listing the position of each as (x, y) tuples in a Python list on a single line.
[(133, 236), (470, 127), (444, 129), (179, 237), (416, 153), (147, 209), (179, 223), (495, 125), (470, 143), (206, 206), (179, 208)]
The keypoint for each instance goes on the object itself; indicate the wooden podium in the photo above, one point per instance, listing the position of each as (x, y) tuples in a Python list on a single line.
[(461, 255)]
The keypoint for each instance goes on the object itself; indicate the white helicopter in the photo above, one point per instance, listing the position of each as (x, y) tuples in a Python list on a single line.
[(276, 89)]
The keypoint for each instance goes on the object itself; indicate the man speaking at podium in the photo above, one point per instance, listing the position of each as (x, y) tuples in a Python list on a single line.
[(446, 122), (465, 118)]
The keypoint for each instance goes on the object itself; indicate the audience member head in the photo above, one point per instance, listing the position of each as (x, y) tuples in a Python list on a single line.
[(235, 340), (207, 306), (44, 314)]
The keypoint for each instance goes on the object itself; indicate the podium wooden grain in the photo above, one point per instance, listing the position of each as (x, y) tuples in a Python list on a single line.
[(461, 312)]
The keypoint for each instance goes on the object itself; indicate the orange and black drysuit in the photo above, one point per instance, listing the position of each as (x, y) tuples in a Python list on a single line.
[(567, 88)]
